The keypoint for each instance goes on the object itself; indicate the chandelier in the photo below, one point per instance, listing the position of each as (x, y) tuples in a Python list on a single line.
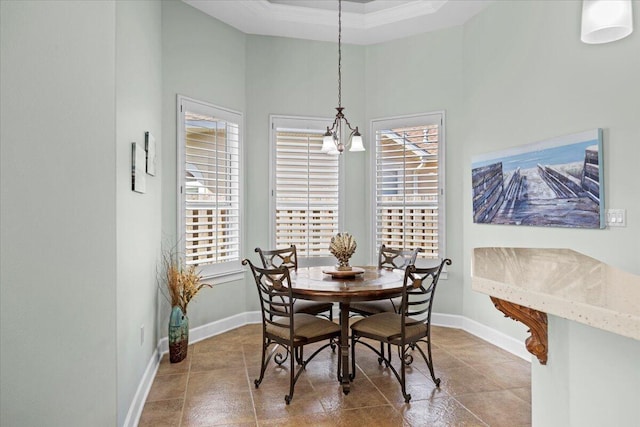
[(333, 141)]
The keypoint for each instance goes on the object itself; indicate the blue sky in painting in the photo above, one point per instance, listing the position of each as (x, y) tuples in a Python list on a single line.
[(550, 156)]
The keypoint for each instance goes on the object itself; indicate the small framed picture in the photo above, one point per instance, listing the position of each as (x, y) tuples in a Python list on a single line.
[(150, 149), (138, 181)]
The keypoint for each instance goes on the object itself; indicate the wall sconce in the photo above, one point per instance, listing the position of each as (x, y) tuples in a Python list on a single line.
[(605, 21)]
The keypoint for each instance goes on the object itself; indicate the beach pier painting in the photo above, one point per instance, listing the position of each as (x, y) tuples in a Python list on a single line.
[(555, 183)]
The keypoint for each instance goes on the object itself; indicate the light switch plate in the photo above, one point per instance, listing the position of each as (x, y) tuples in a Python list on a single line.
[(616, 217)]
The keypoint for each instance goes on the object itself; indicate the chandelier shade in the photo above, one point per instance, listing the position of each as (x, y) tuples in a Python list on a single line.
[(335, 139), (605, 21)]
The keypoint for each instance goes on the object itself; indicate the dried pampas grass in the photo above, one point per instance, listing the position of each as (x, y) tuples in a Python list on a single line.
[(182, 283)]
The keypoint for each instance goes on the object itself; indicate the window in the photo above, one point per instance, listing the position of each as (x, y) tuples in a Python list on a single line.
[(409, 183), (209, 190), (305, 188)]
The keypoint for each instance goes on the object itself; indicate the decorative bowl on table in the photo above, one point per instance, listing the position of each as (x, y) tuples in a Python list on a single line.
[(337, 273)]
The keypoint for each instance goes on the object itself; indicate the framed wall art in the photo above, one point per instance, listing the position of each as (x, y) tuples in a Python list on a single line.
[(555, 183), (138, 180), (150, 149)]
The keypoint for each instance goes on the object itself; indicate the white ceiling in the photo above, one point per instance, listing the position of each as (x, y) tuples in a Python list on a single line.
[(363, 21)]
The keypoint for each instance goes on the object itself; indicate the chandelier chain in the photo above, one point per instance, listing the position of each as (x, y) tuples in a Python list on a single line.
[(339, 53)]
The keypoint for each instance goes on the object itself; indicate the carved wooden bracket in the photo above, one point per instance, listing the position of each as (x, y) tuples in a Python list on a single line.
[(537, 344)]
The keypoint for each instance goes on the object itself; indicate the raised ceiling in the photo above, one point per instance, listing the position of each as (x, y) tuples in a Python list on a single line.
[(363, 21)]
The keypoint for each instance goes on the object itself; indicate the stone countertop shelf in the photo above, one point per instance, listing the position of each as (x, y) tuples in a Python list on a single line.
[(561, 282)]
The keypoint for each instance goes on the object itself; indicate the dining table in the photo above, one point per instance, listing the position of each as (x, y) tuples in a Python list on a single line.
[(359, 284)]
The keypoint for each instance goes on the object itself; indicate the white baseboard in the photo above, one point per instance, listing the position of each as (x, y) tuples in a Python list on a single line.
[(209, 330), (135, 409)]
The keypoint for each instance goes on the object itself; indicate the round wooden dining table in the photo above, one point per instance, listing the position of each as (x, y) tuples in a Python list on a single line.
[(370, 283)]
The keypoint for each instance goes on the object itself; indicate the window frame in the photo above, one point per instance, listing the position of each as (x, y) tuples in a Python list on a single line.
[(420, 119), (225, 271), (302, 123)]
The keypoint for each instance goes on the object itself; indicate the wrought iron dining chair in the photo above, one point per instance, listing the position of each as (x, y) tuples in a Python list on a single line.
[(288, 257), (405, 329), (387, 258), (391, 258), (282, 327)]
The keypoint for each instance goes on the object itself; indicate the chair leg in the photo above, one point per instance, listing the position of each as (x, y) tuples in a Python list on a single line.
[(403, 382), (429, 362), (381, 358), (263, 363), (339, 365), (353, 356), (288, 397)]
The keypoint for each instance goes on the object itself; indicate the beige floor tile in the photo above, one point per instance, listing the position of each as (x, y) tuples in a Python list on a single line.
[(209, 384), (163, 413), (168, 387), (506, 374), (224, 409), (362, 394), (166, 367), (438, 412), (498, 408), (377, 416), (465, 380)]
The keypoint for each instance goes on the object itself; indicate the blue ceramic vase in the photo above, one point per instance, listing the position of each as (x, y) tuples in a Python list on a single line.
[(178, 335)]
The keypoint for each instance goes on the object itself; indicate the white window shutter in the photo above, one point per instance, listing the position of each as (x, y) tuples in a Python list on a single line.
[(306, 192), (408, 184), (210, 176)]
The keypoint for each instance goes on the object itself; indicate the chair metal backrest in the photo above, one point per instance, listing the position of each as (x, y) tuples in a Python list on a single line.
[(418, 292), (274, 291), (276, 258), (397, 258)]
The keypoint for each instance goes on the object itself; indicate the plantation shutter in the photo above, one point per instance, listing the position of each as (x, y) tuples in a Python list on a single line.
[(306, 192), (211, 188), (408, 187)]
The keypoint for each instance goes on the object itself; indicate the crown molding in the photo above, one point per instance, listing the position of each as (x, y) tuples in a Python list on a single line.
[(362, 23)]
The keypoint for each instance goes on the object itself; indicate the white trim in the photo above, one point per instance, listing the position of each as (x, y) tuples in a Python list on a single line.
[(139, 399), (209, 330)]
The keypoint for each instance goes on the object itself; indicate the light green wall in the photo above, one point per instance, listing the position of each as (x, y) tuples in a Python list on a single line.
[(138, 216), (526, 80), (202, 58), (591, 379), (58, 214)]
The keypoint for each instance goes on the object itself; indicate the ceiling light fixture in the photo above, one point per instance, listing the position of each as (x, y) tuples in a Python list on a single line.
[(332, 142), (605, 21)]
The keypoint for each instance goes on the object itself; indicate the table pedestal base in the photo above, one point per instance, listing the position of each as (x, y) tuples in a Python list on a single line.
[(344, 348)]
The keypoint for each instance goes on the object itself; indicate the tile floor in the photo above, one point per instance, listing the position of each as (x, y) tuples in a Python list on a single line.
[(481, 385)]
